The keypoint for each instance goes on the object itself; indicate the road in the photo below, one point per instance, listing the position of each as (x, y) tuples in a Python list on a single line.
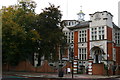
[(13, 77)]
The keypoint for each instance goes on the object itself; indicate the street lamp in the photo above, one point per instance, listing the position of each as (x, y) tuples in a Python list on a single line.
[(60, 74), (107, 64), (72, 58), (81, 65)]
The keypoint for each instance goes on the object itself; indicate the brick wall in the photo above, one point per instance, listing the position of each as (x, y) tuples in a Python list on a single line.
[(88, 43), (109, 44), (76, 44), (26, 66), (98, 69), (46, 68), (117, 59), (68, 65), (109, 50), (109, 33), (117, 55)]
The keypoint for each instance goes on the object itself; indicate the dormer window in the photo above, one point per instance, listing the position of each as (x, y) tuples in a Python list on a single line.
[(69, 24)]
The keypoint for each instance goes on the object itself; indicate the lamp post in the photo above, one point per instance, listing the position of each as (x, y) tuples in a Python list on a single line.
[(82, 66), (107, 64), (72, 62), (60, 74), (72, 58)]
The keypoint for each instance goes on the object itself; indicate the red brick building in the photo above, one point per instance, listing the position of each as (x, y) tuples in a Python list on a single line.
[(95, 44)]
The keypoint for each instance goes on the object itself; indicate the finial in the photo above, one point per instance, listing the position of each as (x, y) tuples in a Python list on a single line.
[(81, 7)]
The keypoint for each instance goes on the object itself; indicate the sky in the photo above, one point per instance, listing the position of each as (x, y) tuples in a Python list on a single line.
[(70, 8)]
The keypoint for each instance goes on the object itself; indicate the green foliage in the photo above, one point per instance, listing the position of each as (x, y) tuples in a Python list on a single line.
[(24, 32), (19, 36), (28, 6), (48, 26), (50, 17)]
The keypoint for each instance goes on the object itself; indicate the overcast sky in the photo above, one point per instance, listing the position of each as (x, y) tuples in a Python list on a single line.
[(70, 8)]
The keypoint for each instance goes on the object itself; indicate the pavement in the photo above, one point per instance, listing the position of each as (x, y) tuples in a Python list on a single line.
[(54, 76)]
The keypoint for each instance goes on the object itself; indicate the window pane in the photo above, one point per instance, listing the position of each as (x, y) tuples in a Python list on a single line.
[(102, 36)]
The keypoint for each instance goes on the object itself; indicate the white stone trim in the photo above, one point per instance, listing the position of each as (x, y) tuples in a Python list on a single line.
[(75, 62), (89, 69), (74, 69), (90, 73), (75, 65)]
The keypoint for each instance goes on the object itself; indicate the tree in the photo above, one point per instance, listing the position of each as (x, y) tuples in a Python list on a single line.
[(48, 27), (20, 39), (26, 33), (13, 35)]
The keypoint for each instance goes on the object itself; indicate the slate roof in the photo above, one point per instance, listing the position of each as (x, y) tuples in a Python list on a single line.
[(82, 24), (115, 26)]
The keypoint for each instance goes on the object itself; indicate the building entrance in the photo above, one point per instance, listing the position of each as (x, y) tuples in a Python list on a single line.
[(97, 54)]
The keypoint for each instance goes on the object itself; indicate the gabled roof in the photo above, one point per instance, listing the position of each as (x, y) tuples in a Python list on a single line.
[(115, 26), (82, 24), (65, 29), (101, 12)]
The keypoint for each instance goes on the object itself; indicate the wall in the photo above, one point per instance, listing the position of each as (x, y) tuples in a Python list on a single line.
[(118, 59), (105, 18), (26, 66), (110, 51), (98, 69), (88, 43), (109, 44), (76, 44), (109, 33)]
